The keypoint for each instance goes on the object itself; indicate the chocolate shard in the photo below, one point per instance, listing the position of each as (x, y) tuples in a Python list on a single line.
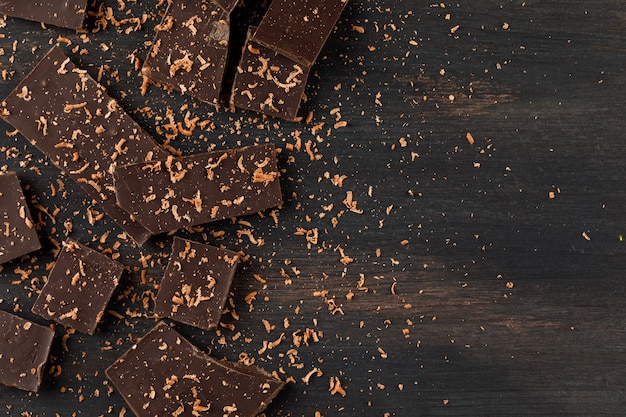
[(196, 283), (65, 113), (24, 349), (79, 287), (62, 13), (17, 231), (190, 50), (165, 375), (268, 82), (169, 194), (300, 29)]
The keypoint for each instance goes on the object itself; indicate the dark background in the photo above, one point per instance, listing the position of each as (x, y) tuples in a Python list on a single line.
[(502, 301)]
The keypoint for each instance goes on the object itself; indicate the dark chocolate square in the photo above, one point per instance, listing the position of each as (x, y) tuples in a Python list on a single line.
[(79, 287), (190, 49), (269, 82), (299, 29), (17, 231), (165, 375), (24, 348), (196, 283), (62, 13)]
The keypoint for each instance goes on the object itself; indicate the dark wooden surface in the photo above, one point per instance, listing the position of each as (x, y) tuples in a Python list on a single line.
[(513, 302)]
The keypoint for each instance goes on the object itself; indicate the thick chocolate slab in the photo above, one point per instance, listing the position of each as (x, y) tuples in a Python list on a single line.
[(79, 287), (17, 231), (65, 113), (299, 29), (24, 348), (173, 193), (165, 375), (62, 13), (196, 283), (268, 82), (190, 49)]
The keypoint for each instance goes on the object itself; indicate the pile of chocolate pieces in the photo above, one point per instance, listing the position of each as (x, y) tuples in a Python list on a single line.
[(84, 132)]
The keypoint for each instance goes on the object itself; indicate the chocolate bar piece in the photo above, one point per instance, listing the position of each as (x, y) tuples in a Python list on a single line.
[(78, 288), (17, 232), (196, 283), (299, 29), (278, 56), (173, 193), (62, 13), (268, 82), (24, 348), (227, 5), (165, 375), (65, 113), (190, 49)]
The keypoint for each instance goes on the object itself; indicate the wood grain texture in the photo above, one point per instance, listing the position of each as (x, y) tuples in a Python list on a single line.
[(502, 301)]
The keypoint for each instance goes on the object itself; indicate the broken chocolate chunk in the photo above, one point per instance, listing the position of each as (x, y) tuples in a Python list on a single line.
[(165, 375), (24, 348), (227, 5), (65, 113), (269, 82), (196, 283), (169, 194), (17, 231), (190, 50), (79, 287), (62, 13), (300, 29), (279, 54)]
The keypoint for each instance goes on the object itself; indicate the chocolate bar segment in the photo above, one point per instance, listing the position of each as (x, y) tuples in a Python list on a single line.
[(269, 82), (65, 113), (17, 231), (299, 29), (24, 349), (173, 193), (62, 13), (196, 283), (79, 287), (227, 5), (165, 375), (190, 49), (278, 56)]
